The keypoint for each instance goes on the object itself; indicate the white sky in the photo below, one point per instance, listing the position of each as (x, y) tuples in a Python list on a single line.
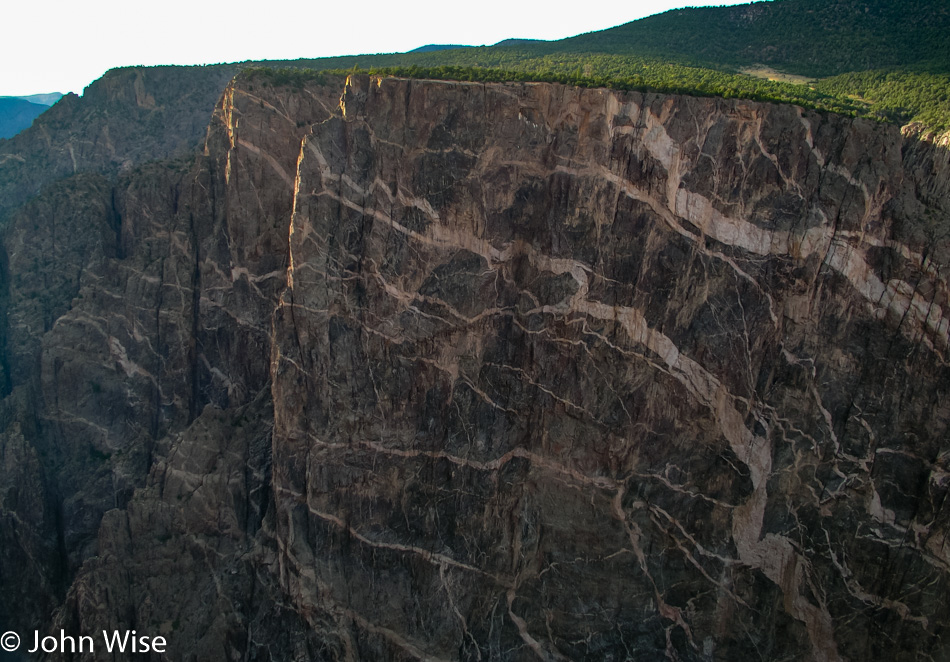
[(63, 45)]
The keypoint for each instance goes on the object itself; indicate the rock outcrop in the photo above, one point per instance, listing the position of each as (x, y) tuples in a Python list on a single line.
[(403, 369), (129, 116)]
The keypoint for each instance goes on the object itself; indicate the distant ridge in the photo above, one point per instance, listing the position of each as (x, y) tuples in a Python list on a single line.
[(43, 99), (429, 48), (17, 114), (519, 42), (809, 37)]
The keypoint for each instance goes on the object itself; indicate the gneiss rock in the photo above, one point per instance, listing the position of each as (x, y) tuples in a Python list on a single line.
[(604, 375), (441, 370), (129, 116)]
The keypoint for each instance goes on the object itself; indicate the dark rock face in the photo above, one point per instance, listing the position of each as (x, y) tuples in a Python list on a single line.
[(609, 376), (129, 116), (463, 371)]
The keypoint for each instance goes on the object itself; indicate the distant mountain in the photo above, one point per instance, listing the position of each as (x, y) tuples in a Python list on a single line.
[(808, 37), (812, 38), (520, 42), (429, 48), (17, 114), (43, 99)]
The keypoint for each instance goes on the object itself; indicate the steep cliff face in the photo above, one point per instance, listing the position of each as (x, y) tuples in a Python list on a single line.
[(467, 371), (129, 116), (75, 439), (607, 375)]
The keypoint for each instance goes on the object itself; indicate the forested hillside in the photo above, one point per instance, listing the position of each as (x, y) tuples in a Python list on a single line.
[(885, 60)]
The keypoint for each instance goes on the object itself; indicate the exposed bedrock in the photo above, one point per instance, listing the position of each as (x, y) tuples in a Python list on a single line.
[(569, 373), (470, 371)]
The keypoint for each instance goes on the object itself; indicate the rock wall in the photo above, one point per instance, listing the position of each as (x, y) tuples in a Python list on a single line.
[(129, 116), (438, 370), (607, 375)]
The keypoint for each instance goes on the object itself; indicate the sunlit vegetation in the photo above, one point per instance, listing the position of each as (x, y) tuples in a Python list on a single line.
[(898, 96), (872, 58)]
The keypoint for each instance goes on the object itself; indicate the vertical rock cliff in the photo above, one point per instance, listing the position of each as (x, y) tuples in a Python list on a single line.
[(427, 370), (129, 116)]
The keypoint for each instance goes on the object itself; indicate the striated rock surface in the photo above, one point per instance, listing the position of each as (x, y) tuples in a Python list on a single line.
[(608, 375), (439, 370), (130, 115)]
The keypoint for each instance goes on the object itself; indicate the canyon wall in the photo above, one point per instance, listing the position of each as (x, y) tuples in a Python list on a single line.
[(403, 369)]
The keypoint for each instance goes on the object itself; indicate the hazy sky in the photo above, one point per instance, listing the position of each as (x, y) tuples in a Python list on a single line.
[(63, 45)]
